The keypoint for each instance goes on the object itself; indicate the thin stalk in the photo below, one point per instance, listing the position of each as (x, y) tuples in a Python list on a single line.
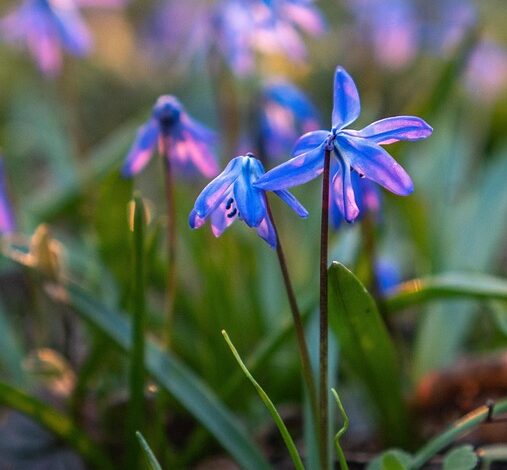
[(483, 414), (341, 455), (171, 237), (324, 324), (298, 322), (136, 403)]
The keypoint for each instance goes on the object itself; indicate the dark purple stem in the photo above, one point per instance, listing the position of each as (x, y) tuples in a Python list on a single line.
[(323, 350)]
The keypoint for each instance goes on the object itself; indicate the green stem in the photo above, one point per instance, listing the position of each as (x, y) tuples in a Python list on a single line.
[(291, 447), (54, 421), (341, 455), (171, 237), (136, 405), (460, 427), (324, 323), (298, 322)]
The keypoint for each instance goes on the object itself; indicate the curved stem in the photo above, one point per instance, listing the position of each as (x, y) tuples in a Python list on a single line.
[(171, 237), (296, 316), (324, 327)]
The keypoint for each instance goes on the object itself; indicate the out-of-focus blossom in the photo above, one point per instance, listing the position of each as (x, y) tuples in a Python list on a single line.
[(358, 151), (387, 273), (236, 29), (232, 195), (285, 114), (399, 29), (486, 74), (47, 27), (367, 194), (186, 143), (7, 223)]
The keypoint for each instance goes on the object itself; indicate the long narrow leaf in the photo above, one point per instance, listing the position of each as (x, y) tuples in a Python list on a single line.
[(459, 284), (152, 460), (367, 347)]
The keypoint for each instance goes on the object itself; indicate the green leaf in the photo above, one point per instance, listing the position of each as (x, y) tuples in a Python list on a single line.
[(461, 458), (448, 285), (174, 377), (498, 311), (392, 459), (150, 456), (287, 438), (11, 351), (368, 349), (54, 421)]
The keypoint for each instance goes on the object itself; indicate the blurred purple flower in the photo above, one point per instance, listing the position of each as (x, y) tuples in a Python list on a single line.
[(486, 74), (359, 151), (7, 223), (232, 195), (285, 114), (46, 27), (185, 142), (399, 29), (236, 29)]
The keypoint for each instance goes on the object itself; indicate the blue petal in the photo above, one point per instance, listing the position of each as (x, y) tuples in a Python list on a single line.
[(267, 232), (72, 29), (142, 149), (7, 223), (223, 216), (372, 161), (249, 200), (346, 103), (194, 220), (213, 194), (343, 192), (389, 130), (292, 202), (297, 170), (309, 141)]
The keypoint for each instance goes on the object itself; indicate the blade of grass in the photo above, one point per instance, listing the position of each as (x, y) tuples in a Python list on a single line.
[(150, 456), (448, 285), (341, 456), (136, 378), (289, 442), (54, 421)]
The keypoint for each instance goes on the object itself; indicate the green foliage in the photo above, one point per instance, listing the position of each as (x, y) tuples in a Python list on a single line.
[(461, 458)]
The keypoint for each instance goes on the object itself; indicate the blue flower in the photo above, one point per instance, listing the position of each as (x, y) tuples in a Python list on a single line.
[(285, 114), (232, 195), (7, 223), (185, 142), (357, 151)]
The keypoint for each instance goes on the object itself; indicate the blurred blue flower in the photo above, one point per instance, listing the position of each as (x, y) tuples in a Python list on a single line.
[(232, 195), (388, 274), (187, 143), (399, 29), (236, 29), (45, 27), (357, 151), (285, 114), (7, 223)]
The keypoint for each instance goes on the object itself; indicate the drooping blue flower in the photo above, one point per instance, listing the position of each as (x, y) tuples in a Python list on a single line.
[(187, 143), (232, 195), (7, 223), (285, 114), (358, 151)]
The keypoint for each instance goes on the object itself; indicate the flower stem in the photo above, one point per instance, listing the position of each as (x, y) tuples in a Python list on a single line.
[(298, 322), (171, 237), (323, 350)]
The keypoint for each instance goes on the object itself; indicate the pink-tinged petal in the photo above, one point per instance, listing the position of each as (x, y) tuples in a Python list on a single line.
[(372, 161), (194, 220), (45, 49), (393, 129), (309, 141), (346, 103), (223, 216), (142, 149), (292, 202), (297, 170), (101, 3), (267, 232), (306, 16), (214, 193), (343, 192)]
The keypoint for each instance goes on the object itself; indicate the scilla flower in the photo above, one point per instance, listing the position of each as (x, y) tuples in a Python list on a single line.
[(45, 28), (7, 224), (358, 151), (181, 139), (232, 195)]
